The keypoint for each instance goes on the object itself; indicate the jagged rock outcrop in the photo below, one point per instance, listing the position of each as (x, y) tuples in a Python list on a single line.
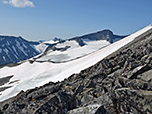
[(119, 84)]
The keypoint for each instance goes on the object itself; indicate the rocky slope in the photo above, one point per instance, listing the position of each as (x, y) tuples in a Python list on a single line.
[(119, 84), (15, 49)]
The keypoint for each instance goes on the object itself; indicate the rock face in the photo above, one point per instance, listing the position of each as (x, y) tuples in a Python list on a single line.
[(119, 84), (15, 49)]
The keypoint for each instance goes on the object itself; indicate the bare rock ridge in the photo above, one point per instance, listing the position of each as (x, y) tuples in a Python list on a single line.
[(119, 84)]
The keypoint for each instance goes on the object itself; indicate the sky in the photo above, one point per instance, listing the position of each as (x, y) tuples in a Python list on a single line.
[(45, 19)]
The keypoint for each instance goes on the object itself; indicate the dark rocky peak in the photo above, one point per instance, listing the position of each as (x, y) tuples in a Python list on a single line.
[(57, 39), (100, 35)]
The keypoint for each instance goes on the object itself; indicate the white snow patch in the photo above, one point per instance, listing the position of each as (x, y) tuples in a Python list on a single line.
[(51, 42), (24, 46), (20, 47), (41, 47), (90, 109), (4, 58), (15, 50), (73, 44), (6, 51)]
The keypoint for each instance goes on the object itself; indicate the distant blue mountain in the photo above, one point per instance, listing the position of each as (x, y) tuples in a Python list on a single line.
[(15, 49)]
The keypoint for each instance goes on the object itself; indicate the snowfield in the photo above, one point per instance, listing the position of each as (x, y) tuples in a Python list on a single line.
[(41, 47), (29, 75), (51, 42), (75, 50)]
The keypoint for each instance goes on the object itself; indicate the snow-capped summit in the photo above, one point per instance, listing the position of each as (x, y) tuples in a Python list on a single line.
[(77, 47), (57, 39), (102, 35)]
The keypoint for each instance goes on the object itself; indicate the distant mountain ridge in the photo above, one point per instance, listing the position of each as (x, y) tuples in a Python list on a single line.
[(15, 49), (76, 47), (101, 35)]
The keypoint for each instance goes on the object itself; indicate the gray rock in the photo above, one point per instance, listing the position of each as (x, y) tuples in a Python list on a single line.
[(101, 110)]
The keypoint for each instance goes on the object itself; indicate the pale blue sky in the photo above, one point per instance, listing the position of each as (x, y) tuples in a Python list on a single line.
[(69, 18)]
